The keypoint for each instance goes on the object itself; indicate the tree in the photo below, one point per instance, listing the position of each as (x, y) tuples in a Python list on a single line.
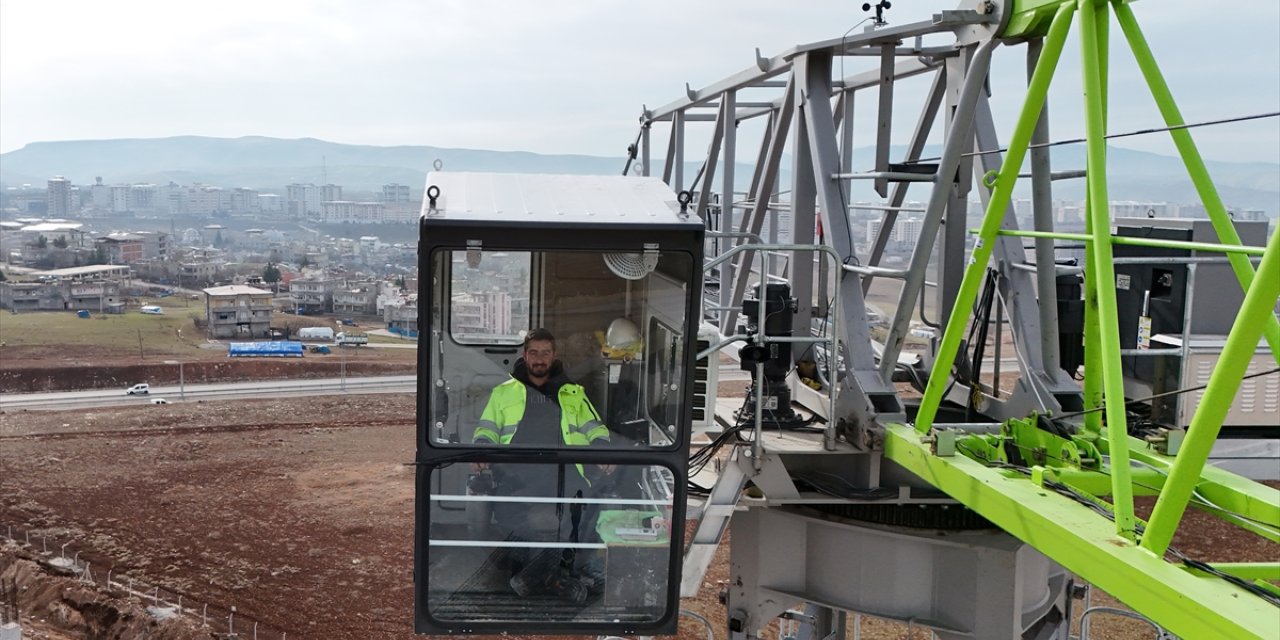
[(99, 255), (304, 262), (2, 276), (42, 242), (218, 241), (271, 274), (60, 242)]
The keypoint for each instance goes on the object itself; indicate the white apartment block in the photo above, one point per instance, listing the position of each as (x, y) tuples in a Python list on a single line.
[(485, 313), (244, 200), (204, 200), (59, 197), (100, 195), (121, 202), (346, 211), (270, 203), (395, 192)]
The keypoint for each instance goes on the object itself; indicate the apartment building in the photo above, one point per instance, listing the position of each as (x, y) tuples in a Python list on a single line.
[(238, 311), (359, 299), (313, 295), (122, 248), (92, 288), (401, 316)]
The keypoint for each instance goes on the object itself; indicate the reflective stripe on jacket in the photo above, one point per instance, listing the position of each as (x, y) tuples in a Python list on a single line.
[(580, 426)]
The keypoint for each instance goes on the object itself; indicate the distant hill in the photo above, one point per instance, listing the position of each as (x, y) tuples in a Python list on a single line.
[(271, 163), (267, 163)]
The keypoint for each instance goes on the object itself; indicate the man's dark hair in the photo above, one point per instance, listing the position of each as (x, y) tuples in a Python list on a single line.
[(541, 335)]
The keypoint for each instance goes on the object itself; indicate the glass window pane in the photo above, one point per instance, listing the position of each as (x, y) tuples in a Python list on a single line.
[(552, 543), (489, 296), (604, 362)]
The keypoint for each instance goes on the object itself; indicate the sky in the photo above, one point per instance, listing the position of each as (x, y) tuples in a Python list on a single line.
[(552, 76)]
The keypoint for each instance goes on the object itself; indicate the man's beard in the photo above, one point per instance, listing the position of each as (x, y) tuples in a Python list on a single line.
[(539, 369)]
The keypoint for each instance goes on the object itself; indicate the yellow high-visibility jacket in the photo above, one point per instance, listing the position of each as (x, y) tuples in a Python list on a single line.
[(580, 425)]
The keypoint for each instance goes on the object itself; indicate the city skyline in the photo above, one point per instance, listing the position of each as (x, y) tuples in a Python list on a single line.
[(555, 78)]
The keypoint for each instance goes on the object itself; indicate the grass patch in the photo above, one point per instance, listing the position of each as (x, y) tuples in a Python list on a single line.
[(170, 333)]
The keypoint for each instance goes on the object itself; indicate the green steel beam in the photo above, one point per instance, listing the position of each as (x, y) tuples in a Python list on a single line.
[(1250, 570), (1036, 92), (1243, 249), (1092, 386), (1076, 537), (1074, 461), (1248, 504), (1146, 482), (1242, 341), (1031, 18), (1196, 168), (1104, 275)]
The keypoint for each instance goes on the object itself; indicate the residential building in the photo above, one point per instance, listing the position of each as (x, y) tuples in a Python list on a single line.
[(172, 198), (1132, 209), (360, 299), (401, 212), (92, 288), (121, 248), (206, 201), (905, 232), (244, 200), (396, 193), (26, 199), (120, 198), (347, 212), (304, 200), (270, 203), (481, 313), (144, 197), (59, 204), (238, 311), (313, 295), (155, 244), (100, 195), (401, 316), (200, 271)]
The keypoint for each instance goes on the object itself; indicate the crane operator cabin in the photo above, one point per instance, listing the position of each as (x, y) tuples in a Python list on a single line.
[(553, 402)]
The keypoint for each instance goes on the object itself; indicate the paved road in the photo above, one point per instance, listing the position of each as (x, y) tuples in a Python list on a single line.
[(216, 391), (239, 390)]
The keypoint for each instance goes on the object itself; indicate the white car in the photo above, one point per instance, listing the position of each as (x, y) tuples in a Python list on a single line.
[(140, 389), (159, 401)]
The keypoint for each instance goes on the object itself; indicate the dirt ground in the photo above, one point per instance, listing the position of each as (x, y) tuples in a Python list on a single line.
[(27, 373), (298, 512)]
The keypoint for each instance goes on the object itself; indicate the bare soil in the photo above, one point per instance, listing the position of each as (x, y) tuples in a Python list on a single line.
[(298, 511), (45, 368)]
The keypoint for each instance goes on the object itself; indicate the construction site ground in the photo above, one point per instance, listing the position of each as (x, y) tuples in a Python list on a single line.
[(298, 512)]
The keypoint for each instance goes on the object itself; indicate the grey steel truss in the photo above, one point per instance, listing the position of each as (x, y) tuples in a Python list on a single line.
[(809, 111)]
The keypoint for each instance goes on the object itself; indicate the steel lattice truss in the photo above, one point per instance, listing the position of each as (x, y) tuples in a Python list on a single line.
[(1052, 500)]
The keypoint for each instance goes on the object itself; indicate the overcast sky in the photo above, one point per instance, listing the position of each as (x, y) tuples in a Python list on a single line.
[(550, 76)]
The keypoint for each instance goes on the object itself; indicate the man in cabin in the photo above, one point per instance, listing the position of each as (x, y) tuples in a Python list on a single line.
[(540, 407)]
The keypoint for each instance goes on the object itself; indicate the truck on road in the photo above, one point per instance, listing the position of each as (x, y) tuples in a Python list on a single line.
[(315, 333), (349, 339)]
